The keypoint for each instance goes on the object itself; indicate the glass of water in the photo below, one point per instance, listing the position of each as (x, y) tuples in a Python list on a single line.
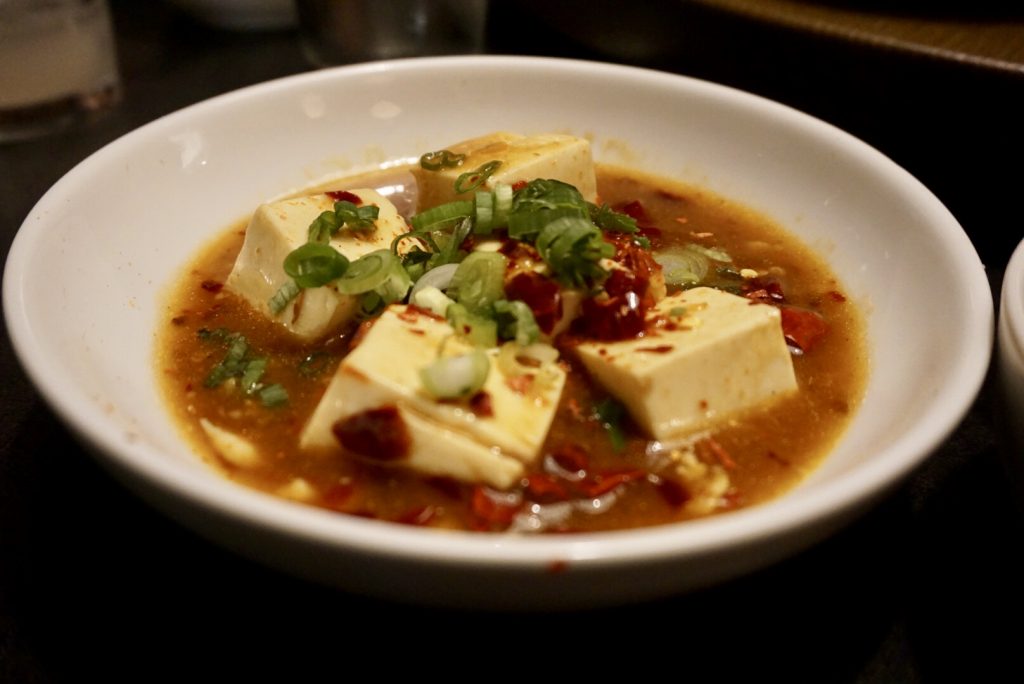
[(57, 65)]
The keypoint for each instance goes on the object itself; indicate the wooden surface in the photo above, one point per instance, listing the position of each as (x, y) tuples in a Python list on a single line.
[(989, 35)]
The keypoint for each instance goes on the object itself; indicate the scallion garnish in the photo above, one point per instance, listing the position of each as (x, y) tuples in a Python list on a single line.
[(606, 218), (273, 395), (479, 281), (610, 413), (516, 322), (685, 267), (456, 377), (233, 363), (471, 180), (369, 272), (284, 294), (572, 246), (251, 374), (345, 214), (479, 330), (314, 364), (238, 363), (315, 264), (442, 159), (437, 217)]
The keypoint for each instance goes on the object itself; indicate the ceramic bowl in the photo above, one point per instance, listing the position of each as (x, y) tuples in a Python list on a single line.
[(87, 270), (1010, 344)]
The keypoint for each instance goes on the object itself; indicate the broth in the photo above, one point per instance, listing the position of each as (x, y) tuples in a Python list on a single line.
[(581, 482)]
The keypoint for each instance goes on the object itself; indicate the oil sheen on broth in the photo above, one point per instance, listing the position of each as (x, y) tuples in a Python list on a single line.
[(597, 470)]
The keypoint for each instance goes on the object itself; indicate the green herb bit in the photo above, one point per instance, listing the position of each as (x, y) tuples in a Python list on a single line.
[(314, 364), (572, 246), (607, 218), (233, 363), (217, 335), (610, 413), (480, 331), (456, 377), (273, 395), (516, 322), (441, 159), (471, 180), (442, 215), (345, 214), (284, 294), (677, 311), (251, 374), (540, 202), (479, 281), (315, 264)]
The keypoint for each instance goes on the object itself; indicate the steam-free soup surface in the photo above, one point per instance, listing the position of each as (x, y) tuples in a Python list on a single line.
[(586, 479)]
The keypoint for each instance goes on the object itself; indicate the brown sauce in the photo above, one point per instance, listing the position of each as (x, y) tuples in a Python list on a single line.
[(581, 482)]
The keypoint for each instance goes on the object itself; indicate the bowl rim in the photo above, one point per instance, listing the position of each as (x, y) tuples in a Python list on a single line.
[(798, 509), (1011, 302)]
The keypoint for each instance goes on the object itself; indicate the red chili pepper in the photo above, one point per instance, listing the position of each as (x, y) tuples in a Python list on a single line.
[(493, 510), (571, 458), (606, 482), (344, 196), (802, 328), (544, 488), (420, 516)]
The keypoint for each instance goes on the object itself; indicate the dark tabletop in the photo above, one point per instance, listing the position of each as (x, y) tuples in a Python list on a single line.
[(94, 585)]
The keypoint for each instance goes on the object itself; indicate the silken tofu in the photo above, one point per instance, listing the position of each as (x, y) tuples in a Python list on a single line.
[(523, 158), (278, 228), (446, 438), (714, 354)]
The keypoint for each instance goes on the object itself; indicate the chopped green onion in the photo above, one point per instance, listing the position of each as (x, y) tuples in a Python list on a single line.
[(438, 216), (442, 159), (572, 246), (713, 253), (610, 413), (539, 203), (683, 267), (607, 218), (396, 286), (431, 299), (484, 212), (471, 180), (233, 363), (449, 245), (479, 281), (273, 395), (345, 213), (503, 195), (369, 272), (456, 377), (315, 264), (314, 364), (440, 278), (252, 373), (284, 294), (516, 322), (480, 331)]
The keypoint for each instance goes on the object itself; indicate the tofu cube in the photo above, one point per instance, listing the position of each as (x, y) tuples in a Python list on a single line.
[(523, 158), (713, 355), (278, 228), (446, 437)]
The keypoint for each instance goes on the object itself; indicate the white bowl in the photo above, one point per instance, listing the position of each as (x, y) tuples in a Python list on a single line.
[(88, 267), (1010, 343)]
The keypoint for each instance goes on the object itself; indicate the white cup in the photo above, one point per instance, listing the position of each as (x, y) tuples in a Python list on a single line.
[(57, 65)]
